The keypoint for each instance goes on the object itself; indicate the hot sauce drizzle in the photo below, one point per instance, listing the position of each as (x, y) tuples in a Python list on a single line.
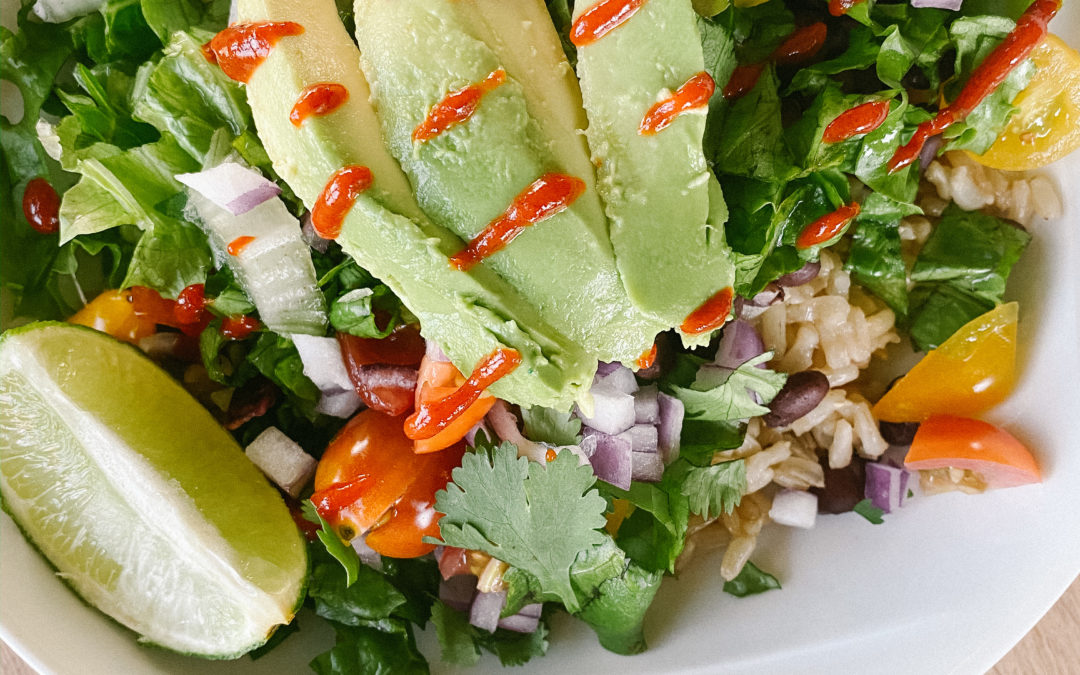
[(711, 314), (842, 7), (457, 107), (239, 244), (602, 18), (826, 227), (337, 198), (862, 119), (41, 206), (190, 307), (647, 358), (238, 327), (1017, 45), (547, 196), (431, 418), (802, 44), (695, 93), (317, 100), (241, 48)]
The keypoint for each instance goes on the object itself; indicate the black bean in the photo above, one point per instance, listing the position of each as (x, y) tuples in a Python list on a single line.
[(844, 488), (898, 433), (801, 394)]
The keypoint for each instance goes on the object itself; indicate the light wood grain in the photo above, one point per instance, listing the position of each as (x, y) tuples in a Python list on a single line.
[(1051, 648)]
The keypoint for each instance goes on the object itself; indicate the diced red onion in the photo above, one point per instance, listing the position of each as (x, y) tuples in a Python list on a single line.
[(612, 459), (954, 5), (535, 609), (803, 275), (933, 144), (647, 405), (434, 352), (452, 561), (886, 486), (767, 296), (643, 438), (231, 186), (605, 368), (505, 425), (458, 591), (310, 236), (739, 342), (620, 379), (485, 610), (669, 429), (647, 467), (794, 508), (613, 411), (470, 435), (520, 623), (367, 555)]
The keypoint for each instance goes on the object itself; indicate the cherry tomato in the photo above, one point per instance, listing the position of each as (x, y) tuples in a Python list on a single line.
[(993, 454), (1047, 125), (112, 312), (972, 371), (436, 381)]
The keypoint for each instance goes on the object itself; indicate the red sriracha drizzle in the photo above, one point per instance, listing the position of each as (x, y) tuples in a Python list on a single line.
[(241, 48), (647, 358), (317, 100), (238, 327), (602, 18), (826, 227), (862, 119), (431, 418), (190, 307), (41, 206), (547, 196), (710, 314), (457, 107), (339, 195), (694, 94), (801, 45), (239, 244), (187, 313), (1017, 45), (842, 7)]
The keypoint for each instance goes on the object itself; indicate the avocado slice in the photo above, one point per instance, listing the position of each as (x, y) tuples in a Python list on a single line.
[(469, 314), (655, 188), (415, 52)]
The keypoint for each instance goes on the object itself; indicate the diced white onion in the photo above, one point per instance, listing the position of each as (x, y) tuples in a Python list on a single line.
[(613, 411)]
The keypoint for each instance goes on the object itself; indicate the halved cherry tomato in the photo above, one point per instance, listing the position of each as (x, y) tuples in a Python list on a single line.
[(1047, 125), (414, 515), (112, 312), (991, 453), (436, 381), (972, 371)]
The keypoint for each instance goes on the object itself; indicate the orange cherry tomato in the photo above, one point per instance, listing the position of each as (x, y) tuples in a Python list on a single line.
[(436, 381), (112, 312), (414, 516), (972, 371), (365, 470), (993, 454)]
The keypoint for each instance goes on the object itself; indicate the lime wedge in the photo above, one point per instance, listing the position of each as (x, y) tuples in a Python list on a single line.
[(142, 502)]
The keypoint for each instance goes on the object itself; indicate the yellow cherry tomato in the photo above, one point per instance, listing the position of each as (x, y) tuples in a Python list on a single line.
[(972, 371), (112, 312), (1047, 125)]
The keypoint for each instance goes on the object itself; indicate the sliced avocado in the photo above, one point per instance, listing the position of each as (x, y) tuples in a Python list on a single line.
[(655, 187), (415, 52), (467, 314)]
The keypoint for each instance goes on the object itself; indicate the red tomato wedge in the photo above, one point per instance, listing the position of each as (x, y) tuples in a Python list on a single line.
[(993, 454)]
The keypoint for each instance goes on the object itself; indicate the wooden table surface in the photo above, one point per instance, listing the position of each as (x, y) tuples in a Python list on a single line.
[(1051, 648)]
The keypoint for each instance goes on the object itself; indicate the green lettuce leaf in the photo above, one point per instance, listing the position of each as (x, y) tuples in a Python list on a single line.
[(750, 581)]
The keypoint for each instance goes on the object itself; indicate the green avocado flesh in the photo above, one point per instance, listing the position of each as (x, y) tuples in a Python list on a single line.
[(415, 53), (668, 245), (469, 314)]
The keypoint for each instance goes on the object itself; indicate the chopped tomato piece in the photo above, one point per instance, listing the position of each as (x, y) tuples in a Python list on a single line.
[(972, 371), (993, 455), (112, 312)]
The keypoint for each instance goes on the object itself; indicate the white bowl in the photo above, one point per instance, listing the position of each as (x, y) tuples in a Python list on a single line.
[(948, 585)]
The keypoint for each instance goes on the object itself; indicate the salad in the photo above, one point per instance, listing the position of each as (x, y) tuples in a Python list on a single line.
[(515, 305)]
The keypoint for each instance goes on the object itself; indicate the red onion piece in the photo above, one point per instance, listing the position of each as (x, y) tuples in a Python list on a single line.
[(933, 144), (505, 425), (367, 555), (613, 411), (520, 623), (233, 187), (739, 343), (434, 352), (605, 368), (485, 610), (388, 389), (458, 592), (647, 405), (647, 467), (310, 236), (768, 295), (953, 5), (886, 486), (669, 429), (803, 275), (620, 379), (794, 508), (611, 456), (643, 438)]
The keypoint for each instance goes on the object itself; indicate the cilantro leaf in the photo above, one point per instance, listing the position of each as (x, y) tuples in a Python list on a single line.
[(715, 489), (750, 581), (536, 517), (867, 510), (547, 425), (721, 394), (341, 552), (369, 651)]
